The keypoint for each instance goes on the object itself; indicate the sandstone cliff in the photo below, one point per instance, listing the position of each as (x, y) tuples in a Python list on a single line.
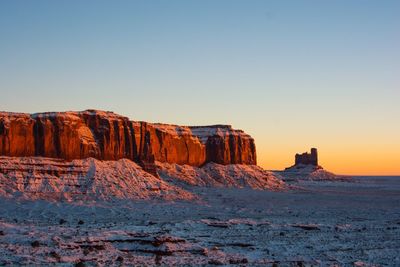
[(108, 136)]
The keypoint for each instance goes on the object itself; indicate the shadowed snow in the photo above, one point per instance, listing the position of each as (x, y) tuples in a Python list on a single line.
[(217, 175), (45, 178)]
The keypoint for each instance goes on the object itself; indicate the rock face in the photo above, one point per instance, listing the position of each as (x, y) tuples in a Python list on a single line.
[(307, 158), (108, 136)]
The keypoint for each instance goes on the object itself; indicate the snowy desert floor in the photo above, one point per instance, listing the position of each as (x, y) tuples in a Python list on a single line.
[(318, 224)]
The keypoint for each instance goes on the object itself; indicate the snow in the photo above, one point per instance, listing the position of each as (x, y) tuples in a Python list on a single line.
[(352, 223), (90, 179), (301, 172), (73, 115), (112, 213), (216, 175), (69, 115), (172, 129)]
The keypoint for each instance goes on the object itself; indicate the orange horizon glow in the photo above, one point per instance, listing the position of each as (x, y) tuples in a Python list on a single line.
[(363, 162)]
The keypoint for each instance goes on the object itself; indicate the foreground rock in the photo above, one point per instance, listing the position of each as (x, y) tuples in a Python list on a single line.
[(327, 225)]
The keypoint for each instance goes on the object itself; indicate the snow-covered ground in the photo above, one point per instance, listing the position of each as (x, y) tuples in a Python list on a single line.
[(87, 179), (216, 175), (202, 133), (301, 173), (354, 223)]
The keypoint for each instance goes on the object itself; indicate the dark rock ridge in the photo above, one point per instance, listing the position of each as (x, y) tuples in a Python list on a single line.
[(307, 158), (108, 136)]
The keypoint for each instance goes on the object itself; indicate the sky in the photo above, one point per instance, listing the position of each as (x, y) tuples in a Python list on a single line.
[(293, 74)]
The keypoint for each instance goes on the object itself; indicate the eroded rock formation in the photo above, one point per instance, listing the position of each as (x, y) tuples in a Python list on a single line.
[(108, 136), (306, 168), (307, 158)]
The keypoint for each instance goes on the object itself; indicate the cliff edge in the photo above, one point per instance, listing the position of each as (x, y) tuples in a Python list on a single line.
[(105, 135)]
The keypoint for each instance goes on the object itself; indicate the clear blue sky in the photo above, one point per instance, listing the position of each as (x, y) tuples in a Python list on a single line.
[(294, 74)]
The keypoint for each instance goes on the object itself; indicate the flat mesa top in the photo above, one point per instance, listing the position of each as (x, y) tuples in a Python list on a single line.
[(203, 132)]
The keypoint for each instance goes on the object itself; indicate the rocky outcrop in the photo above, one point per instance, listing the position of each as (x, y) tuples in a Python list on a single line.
[(108, 136), (198, 145), (306, 161), (306, 168), (307, 158)]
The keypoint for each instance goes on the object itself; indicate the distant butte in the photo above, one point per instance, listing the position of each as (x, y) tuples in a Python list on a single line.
[(306, 167), (307, 158)]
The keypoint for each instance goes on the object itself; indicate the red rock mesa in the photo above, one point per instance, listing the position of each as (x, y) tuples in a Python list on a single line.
[(108, 136)]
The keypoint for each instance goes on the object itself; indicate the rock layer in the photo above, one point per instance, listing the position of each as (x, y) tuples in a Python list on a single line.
[(108, 136)]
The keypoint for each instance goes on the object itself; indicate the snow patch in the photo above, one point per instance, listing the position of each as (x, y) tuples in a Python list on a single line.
[(201, 132), (302, 172), (54, 179), (216, 175)]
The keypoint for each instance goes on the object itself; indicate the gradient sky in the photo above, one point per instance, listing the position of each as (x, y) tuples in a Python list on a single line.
[(293, 74)]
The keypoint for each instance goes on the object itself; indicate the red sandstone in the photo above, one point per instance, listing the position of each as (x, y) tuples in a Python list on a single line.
[(108, 136)]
